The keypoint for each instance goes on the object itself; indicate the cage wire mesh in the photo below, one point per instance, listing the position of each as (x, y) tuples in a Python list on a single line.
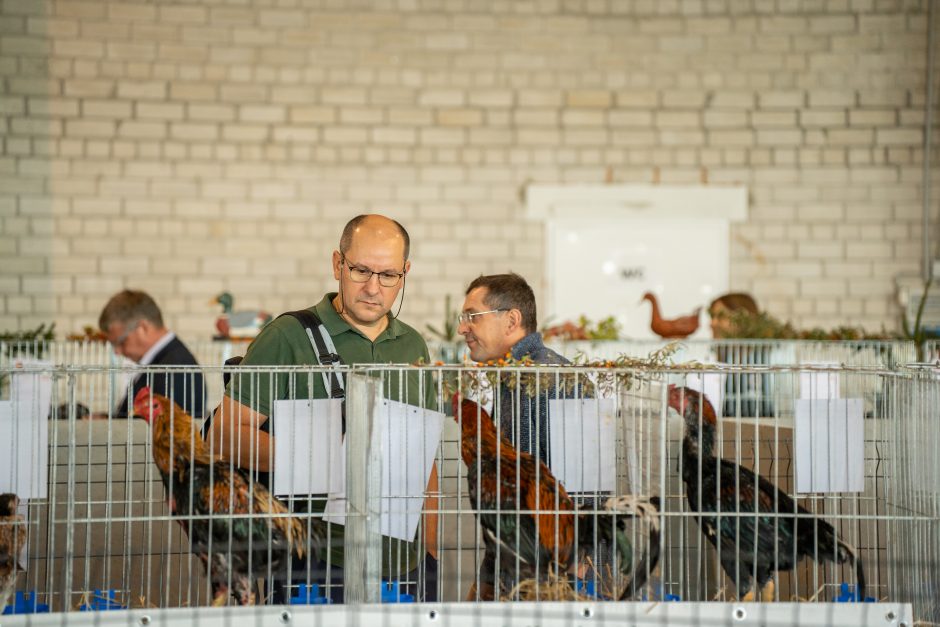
[(388, 509)]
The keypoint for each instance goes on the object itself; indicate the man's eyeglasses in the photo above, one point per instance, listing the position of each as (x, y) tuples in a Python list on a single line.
[(360, 274), (119, 342), (467, 317)]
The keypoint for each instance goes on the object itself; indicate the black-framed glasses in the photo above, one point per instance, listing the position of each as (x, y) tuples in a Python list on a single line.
[(467, 317), (360, 274)]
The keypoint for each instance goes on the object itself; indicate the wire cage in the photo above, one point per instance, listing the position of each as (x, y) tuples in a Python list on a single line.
[(383, 493), (930, 351), (871, 353)]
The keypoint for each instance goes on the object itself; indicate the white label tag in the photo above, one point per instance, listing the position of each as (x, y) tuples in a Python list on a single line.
[(830, 445), (24, 433), (409, 439), (582, 434), (308, 435)]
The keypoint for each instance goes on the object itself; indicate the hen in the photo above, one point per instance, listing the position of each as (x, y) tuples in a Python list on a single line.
[(12, 539), (676, 328), (760, 527), (215, 502), (529, 520)]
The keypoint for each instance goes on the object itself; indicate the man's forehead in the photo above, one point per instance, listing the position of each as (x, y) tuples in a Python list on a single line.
[(373, 245), (475, 299), (378, 229)]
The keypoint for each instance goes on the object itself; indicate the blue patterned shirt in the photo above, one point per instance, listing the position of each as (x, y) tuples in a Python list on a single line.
[(524, 419)]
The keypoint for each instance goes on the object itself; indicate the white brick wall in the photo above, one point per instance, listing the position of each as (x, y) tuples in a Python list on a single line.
[(188, 148)]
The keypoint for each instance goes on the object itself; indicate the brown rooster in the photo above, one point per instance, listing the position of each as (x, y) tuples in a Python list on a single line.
[(529, 520), (676, 328), (12, 540), (207, 494)]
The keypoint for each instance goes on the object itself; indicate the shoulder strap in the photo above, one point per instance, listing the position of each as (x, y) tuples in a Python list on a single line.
[(324, 349)]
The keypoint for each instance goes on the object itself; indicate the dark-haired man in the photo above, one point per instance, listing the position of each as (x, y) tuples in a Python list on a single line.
[(133, 324), (498, 318), (370, 267)]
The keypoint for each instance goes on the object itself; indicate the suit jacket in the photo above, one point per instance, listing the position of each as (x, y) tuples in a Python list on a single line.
[(187, 389)]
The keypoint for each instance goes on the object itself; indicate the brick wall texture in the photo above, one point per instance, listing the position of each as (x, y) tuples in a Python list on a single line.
[(187, 147)]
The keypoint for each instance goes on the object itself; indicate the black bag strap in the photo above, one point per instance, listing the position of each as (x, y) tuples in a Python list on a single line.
[(324, 350), (227, 374)]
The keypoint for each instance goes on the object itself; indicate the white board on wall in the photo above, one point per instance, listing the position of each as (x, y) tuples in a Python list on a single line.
[(608, 245)]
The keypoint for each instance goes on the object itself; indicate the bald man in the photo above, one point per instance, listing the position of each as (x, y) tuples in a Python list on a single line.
[(370, 267)]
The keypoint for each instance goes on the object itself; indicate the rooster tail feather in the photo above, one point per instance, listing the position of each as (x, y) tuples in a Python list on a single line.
[(648, 511), (845, 553), (819, 538), (290, 526), (616, 535), (317, 535)]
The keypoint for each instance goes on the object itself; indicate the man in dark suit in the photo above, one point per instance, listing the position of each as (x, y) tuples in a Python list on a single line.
[(134, 326)]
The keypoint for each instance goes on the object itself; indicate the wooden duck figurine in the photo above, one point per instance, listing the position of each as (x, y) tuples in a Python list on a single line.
[(676, 328), (238, 324)]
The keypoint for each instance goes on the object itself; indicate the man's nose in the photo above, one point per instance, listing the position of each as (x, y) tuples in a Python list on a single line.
[(372, 285)]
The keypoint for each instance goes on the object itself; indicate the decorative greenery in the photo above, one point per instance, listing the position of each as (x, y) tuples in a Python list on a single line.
[(745, 325), (17, 340), (30, 341), (605, 329), (448, 331), (918, 333), (587, 377)]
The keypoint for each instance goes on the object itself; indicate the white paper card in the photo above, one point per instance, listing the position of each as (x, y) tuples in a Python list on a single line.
[(24, 433), (582, 435), (830, 445), (409, 440), (819, 385), (711, 384), (308, 436)]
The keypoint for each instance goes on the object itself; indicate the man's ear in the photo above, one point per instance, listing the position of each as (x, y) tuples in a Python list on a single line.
[(337, 267), (407, 267), (515, 319)]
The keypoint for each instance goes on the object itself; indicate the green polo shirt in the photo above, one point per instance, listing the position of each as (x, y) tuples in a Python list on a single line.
[(285, 342)]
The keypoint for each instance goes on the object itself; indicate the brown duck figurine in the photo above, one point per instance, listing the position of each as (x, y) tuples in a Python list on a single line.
[(676, 328)]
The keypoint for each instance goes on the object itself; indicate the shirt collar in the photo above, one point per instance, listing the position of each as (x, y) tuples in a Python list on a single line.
[(336, 324), (158, 346), (527, 345)]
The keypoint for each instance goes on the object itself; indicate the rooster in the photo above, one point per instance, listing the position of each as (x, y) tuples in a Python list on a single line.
[(12, 540), (677, 328), (761, 529), (530, 521), (236, 551)]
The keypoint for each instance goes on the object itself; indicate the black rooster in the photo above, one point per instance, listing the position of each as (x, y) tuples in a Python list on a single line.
[(761, 529)]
